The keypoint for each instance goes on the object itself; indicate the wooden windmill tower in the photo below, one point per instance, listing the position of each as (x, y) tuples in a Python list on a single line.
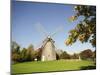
[(48, 52)]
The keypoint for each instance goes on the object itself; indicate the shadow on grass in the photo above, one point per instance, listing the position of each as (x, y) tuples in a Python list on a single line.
[(87, 67)]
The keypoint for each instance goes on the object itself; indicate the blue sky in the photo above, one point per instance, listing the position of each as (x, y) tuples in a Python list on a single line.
[(26, 15)]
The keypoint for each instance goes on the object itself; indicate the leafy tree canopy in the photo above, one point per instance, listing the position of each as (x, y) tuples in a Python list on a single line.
[(85, 30), (86, 54)]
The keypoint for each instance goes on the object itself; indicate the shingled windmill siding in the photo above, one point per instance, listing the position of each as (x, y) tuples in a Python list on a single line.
[(48, 50)]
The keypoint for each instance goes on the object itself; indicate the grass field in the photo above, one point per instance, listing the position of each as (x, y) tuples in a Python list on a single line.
[(48, 66)]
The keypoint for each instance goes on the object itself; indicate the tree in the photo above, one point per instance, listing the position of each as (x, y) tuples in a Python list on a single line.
[(64, 55), (15, 47), (57, 56), (75, 56), (14, 44), (31, 47), (30, 53), (58, 53), (23, 55), (94, 56), (86, 54), (15, 57), (15, 51), (39, 53), (86, 29)]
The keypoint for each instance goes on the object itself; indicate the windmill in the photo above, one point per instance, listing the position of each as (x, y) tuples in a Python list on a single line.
[(48, 52)]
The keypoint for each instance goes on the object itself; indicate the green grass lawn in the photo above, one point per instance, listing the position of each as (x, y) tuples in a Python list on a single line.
[(48, 66)]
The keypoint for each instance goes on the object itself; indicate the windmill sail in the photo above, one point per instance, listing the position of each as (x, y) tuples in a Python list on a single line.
[(48, 48)]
